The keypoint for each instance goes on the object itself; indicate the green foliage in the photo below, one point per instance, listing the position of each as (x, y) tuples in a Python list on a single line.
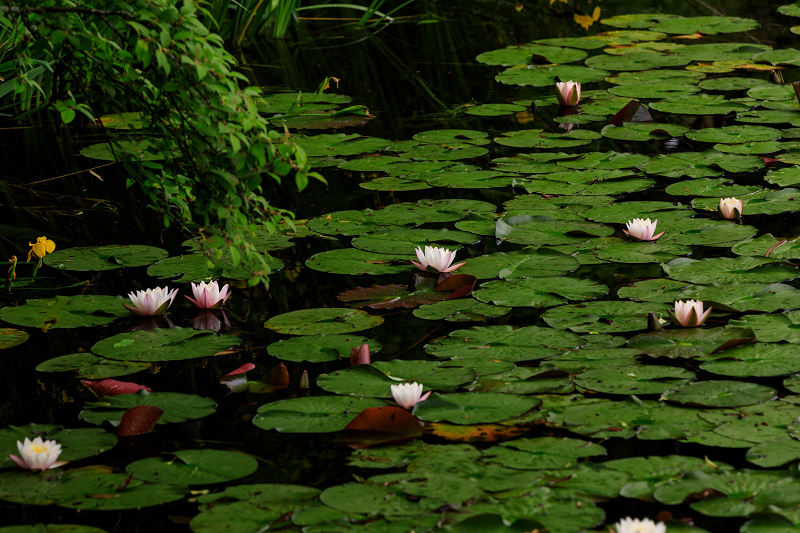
[(158, 58)]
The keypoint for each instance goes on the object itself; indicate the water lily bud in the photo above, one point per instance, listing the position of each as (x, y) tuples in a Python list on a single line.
[(689, 313), (730, 208), (360, 355), (568, 92), (304, 380)]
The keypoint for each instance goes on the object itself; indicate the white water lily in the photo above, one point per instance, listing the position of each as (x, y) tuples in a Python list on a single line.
[(208, 295), (151, 302), (689, 313), (634, 525), (436, 259), (730, 208), (568, 92), (408, 395), (37, 454), (642, 229)]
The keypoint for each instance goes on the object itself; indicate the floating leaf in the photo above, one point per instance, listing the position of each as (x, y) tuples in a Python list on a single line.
[(104, 257), (381, 425), (322, 321), (172, 344), (194, 467), (316, 414), (66, 311), (177, 407)]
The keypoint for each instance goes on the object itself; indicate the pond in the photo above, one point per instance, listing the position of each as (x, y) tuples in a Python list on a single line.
[(564, 393)]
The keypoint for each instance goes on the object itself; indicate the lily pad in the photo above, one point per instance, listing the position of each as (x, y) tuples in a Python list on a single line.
[(177, 407), (721, 394), (174, 344), (322, 321), (104, 257), (316, 414), (194, 467), (81, 310), (319, 348)]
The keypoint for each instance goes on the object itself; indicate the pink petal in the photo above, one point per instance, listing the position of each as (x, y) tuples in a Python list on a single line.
[(132, 309), (20, 462)]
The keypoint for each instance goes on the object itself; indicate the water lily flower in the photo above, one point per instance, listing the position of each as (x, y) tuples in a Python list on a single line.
[(37, 454), (568, 92), (634, 525), (436, 259), (360, 355), (730, 208), (643, 229), (208, 295), (41, 247), (408, 395), (151, 302), (689, 313)]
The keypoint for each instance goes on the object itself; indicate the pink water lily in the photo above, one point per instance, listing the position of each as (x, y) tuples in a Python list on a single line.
[(568, 92), (436, 259), (689, 313), (37, 454), (730, 208), (151, 302), (208, 295), (634, 525), (408, 395), (642, 229)]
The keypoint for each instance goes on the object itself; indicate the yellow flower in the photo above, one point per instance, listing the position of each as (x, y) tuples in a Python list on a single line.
[(586, 20), (42, 247)]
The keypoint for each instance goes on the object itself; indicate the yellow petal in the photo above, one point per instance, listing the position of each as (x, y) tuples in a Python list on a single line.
[(49, 246)]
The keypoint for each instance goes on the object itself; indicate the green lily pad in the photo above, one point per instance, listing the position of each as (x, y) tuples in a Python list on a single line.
[(76, 311), (772, 328), (315, 414), (375, 380), (194, 467), (319, 348), (730, 270), (10, 337), (91, 488), (470, 408), (143, 150), (708, 187), (721, 394), (634, 380), (754, 360), (460, 310), (735, 134), (642, 252), (549, 75), (322, 321), (495, 110), (337, 144), (601, 317), (90, 366), (542, 139), (688, 342), (353, 262), (527, 262), (700, 104), (197, 267), (637, 60), (104, 257), (519, 55), (174, 344), (731, 83), (539, 292), (177, 407), (503, 343), (704, 25)]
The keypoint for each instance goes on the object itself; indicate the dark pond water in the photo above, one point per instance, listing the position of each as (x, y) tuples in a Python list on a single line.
[(416, 75)]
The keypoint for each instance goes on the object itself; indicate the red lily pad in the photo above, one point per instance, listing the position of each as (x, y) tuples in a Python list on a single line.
[(277, 379), (381, 425), (112, 387), (139, 420)]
